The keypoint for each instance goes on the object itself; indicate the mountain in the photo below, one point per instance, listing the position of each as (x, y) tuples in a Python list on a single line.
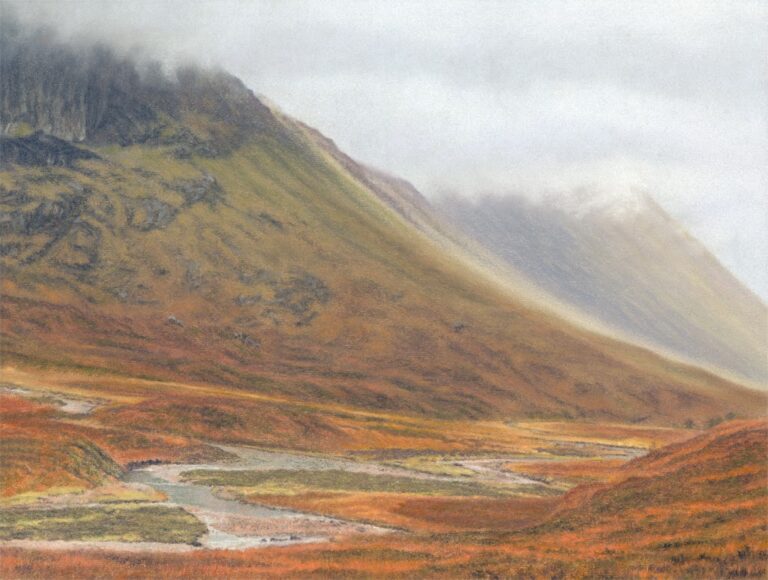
[(625, 262), (175, 227)]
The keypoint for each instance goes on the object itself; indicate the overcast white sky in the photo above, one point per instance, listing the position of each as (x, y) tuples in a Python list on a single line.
[(524, 96)]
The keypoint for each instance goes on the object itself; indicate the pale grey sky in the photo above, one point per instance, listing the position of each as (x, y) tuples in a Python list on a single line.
[(528, 96)]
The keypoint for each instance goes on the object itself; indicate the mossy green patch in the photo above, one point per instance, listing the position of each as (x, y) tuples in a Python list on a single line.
[(126, 524), (288, 481), (434, 465)]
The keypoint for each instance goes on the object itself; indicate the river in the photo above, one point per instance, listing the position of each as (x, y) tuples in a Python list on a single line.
[(233, 524)]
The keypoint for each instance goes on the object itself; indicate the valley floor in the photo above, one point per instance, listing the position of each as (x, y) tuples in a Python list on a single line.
[(113, 477)]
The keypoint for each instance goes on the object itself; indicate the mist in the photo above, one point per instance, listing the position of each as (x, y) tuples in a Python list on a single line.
[(475, 97)]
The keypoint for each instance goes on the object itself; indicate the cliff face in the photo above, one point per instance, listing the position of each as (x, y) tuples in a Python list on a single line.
[(92, 94), (65, 93)]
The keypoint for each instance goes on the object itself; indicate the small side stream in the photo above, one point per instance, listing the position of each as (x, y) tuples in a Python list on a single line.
[(66, 403)]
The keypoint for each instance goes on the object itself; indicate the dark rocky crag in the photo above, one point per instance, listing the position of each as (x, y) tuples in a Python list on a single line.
[(92, 94), (41, 149)]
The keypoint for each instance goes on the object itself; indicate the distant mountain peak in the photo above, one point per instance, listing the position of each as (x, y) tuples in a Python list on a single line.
[(619, 204), (620, 258)]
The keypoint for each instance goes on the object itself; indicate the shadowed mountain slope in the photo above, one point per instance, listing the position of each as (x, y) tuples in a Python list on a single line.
[(629, 265), (200, 236)]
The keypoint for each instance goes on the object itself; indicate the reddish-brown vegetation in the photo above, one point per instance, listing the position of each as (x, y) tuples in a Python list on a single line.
[(575, 470), (36, 456), (421, 513), (41, 450), (694, 509), (174, 415)]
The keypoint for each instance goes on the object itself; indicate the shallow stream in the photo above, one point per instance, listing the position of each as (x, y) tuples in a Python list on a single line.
[(234, 524)]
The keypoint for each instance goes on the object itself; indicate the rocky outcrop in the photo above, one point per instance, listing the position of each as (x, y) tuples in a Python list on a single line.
[(300, 295), (148, 214), (32, 231), (206, 189), (41, 150)]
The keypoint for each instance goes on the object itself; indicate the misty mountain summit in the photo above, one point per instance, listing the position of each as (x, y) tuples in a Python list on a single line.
[(90, 94), (624, 261)]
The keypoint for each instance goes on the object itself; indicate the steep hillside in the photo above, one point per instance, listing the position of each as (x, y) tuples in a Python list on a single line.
[(724, 464), (395, 192), (628, 264), (695, 509), (37, 454), (692, 509), (401, 196), (176, 228)]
